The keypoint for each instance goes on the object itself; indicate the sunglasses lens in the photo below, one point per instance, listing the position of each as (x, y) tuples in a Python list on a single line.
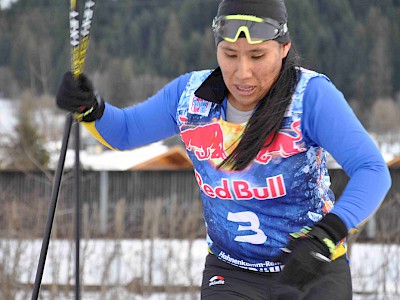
[(263, 31), (228, 29)]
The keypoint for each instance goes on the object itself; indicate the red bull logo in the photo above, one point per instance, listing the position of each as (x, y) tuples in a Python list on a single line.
[(206, 141), (284, 145)]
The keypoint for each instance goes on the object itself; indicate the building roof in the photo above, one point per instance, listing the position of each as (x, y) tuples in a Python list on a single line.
[(175, 158), (394, 163), (156, 156)]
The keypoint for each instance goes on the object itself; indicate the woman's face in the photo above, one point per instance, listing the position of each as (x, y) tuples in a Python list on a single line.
[(250, 70)]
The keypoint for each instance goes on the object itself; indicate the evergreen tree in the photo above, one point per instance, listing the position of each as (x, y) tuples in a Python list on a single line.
[(352, 41), (171, 52), (379, 61), (26, 150)]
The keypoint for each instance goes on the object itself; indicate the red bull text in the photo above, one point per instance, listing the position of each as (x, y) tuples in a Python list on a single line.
[(242, 189)]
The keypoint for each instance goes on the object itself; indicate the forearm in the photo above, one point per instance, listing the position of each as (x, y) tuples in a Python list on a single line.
[(122, 129), (363, 195)]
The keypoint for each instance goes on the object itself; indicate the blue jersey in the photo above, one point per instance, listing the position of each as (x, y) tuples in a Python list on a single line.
[(250, 213)]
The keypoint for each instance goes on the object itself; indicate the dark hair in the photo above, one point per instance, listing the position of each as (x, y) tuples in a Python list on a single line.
[(268, 116)]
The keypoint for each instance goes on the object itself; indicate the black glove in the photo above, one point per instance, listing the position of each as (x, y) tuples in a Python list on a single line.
[(77, 96), (309, 249)]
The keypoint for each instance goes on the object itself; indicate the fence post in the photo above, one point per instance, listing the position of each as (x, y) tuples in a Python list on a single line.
[(370, 228), (103, 209)]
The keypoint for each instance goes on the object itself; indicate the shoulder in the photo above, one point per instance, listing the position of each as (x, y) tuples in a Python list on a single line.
[(190, 79), (309, 76), (318, 87), (198, 77), (309, 80)]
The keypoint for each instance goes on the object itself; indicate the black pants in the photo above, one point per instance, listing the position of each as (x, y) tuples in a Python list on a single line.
[(224, 281)]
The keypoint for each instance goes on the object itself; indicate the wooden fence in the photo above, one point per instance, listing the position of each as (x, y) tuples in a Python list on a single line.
[(140, 204)]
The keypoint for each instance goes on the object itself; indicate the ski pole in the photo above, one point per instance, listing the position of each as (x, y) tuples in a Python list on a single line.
[(79, 46), (78, 54), (75, 69), (77, 214), (52, 209)]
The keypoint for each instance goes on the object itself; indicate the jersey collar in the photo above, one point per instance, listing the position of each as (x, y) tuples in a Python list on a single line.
[(213, 89)]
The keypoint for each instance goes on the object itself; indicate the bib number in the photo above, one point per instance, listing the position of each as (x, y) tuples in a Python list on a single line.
[(248, 217)]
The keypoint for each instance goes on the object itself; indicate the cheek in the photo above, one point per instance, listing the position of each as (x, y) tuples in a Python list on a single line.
[(265, 71), (226, 68), (222, 62), (275, 64), (268, 72)]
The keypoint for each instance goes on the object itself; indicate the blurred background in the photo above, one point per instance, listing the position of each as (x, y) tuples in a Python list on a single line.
[(142, 225)]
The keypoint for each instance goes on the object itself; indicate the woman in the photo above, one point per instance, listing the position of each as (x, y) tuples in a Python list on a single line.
[(257, 129)]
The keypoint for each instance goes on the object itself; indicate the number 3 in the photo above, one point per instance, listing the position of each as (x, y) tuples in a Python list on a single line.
[(248, 217)]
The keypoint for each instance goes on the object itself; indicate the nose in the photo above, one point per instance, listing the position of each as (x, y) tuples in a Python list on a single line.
[(243, 70)]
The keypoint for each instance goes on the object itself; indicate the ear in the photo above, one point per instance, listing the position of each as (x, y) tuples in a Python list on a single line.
[(285, 49)]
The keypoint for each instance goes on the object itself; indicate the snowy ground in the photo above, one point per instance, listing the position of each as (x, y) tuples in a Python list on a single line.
[(117, 263), (4, 4), (7, 114)]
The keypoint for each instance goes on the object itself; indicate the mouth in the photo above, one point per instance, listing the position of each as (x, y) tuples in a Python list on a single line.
[(245, 89)]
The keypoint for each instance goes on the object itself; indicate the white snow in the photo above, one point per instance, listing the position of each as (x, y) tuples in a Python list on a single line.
[(116, 263), (7, 115), (109, 159), (4, 4)]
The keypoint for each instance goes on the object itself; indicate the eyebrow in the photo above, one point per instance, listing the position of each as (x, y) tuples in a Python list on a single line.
[(227, 48)]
